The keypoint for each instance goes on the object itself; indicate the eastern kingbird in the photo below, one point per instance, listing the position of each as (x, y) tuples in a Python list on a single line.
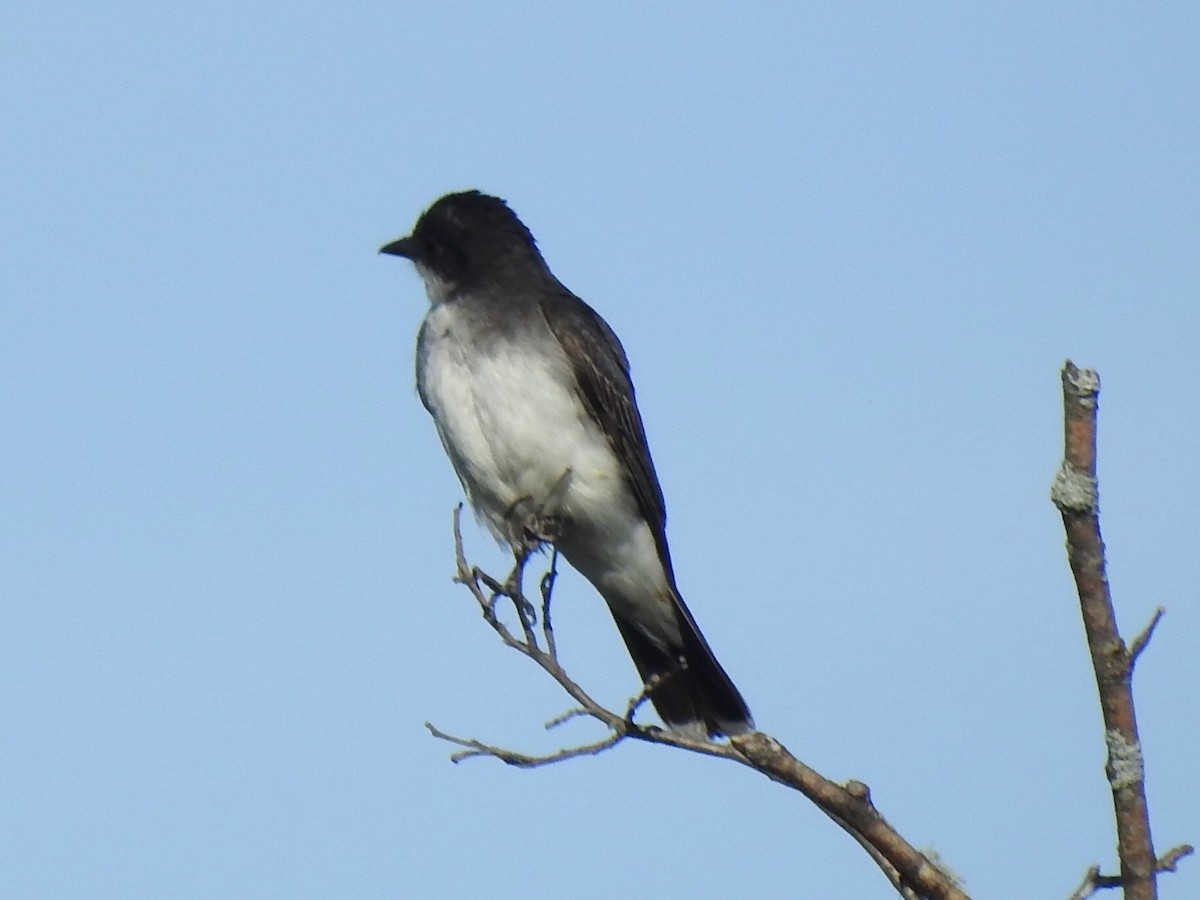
[(531, 395)]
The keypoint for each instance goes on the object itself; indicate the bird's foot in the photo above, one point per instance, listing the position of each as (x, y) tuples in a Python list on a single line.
[(534, 523)]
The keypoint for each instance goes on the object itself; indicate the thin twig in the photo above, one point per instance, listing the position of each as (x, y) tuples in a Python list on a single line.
[(514, 589), (1168, 861), (1143, 639), (469, 577), (577, 712), (520, 760), (1089, 886), (511, 588), (547, 588), (636, 702)]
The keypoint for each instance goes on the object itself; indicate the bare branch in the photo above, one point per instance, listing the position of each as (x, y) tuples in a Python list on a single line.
[(851, 808), (562, 718), (1094, 882), (1075, 494), (913, 874), (520, 760), (546, 586), (1143, 639), (1168, 861)]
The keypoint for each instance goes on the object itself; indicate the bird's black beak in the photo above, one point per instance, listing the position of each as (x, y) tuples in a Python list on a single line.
[(402, 247)]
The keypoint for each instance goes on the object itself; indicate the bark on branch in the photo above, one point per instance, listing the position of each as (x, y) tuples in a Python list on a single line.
[(1075, 492)]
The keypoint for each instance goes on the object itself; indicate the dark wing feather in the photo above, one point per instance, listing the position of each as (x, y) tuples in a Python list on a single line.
[(602, 375)]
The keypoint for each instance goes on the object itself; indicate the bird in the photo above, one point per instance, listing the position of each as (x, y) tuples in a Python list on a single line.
[(531, 395)]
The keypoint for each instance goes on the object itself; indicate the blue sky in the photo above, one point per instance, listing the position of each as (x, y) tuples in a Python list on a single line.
[(847, 247)]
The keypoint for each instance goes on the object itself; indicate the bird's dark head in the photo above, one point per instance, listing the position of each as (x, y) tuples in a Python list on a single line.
[(468, 240)]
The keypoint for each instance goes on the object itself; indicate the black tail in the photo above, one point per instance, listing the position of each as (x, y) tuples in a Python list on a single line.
[(690, 686)]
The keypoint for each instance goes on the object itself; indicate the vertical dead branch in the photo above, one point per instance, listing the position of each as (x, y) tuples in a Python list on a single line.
[(1075, 494)]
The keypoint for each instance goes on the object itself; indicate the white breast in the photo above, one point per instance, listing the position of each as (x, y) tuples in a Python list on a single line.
[(511, 425)]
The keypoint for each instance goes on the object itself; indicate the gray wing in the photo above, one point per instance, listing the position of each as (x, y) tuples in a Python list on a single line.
[(602, 375)]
